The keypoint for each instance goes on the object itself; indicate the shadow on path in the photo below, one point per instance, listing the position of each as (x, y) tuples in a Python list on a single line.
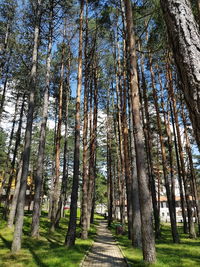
[(104, 251)]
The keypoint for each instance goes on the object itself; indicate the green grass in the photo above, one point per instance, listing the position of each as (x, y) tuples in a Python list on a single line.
[(48, 250), (186, 254)]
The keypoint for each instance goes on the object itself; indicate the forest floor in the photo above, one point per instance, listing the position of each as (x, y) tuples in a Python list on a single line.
[(48, 250), (185, 254)]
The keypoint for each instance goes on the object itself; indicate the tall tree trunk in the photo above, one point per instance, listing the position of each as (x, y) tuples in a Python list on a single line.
[(148, 135), (9, 150), (91, 156), (93, 143), (127, 163), (182, 165), (53, 162), (182, 196), (6, 47), (136, 238), (16, 244), (3, 97), (62, 198), (42, 139), (170, 147), (171, 159), (134, 235), (184, 37), (17, 144), (13, 207), (120, 137), (109, 164), (71, 233), (191, 166), (119, 177), (130, 153), (56, 192), (84, 215), (198, 8), (14, 121), (148, 241), (172, 212), (109, 181), (169, 137)]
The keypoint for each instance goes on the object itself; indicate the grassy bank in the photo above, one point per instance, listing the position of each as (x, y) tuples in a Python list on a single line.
[(48, 250), (186, 254)]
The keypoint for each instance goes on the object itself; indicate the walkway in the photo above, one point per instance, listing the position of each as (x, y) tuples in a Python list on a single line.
[(104, 252)]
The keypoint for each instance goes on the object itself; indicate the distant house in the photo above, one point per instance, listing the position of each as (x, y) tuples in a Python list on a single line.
[(164, 210), (101, 208)]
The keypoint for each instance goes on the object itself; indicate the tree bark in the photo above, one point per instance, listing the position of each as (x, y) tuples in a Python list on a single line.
[(109, 164), (71, 233), (120, 139), (3, 97), (17, 144), (169, 137), (130, 165), (6, 47), (148, 135), (13, 207), (198, 8), (184, 37), (182, 196), (192, 172), (137, 236), (127, 163), (8, 155), (182, 165), (164, 160), (53, 163), (171, 158), (62, 198), (84, 215), (148, 241), (119, 177), (16, 244), (93, 142), (56, 192), (42, 139)]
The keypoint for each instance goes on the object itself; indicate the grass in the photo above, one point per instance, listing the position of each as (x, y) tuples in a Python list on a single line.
[(186, 254), (48, 250)]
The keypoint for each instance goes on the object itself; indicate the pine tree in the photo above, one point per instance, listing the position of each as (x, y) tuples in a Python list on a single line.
[(16, 244), (184, 38), (71, 233), (148, 241)]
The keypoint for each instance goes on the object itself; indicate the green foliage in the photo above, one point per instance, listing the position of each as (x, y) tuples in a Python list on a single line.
[(101, 189), (7, 10)]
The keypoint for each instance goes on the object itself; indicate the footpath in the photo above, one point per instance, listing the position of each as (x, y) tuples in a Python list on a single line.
[(104, 252)]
